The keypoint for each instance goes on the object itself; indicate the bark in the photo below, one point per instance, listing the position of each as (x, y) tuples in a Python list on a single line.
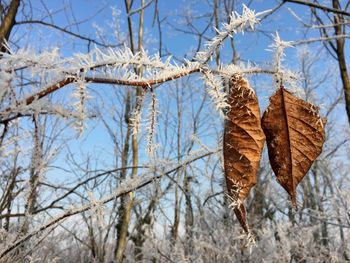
[(175, 226), (258, 205), (7, 199), (129, 199), (216, 18), (334, 10), (338, 28), (189, 220), (124, 199), (34, 176), (139, 239), (7, 23), (31, 202), (123, 230)]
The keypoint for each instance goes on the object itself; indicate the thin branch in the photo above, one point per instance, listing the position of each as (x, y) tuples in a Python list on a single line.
[(272, 11), (65, 31), (318, 6), (141, 8), (212, 196), (336, 149), (316, 26), (144, 83), (311, 40), (83, 183)]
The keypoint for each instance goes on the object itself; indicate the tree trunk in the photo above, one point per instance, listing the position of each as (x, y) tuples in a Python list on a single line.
[(128, 203), (35, 173), (188, 216), (121, 235), (338, 20), (7, 23)]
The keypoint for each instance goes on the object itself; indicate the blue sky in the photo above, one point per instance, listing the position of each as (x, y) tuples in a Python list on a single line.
[(99, 13)]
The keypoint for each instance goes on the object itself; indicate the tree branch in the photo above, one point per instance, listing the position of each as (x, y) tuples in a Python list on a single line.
[(65, 31), (318, 6), (318, 39), (51, 89), (8, 22)]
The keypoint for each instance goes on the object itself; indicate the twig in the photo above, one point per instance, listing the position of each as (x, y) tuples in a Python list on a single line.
[(316, 26), (141, 8), (90, 40), (311, 40), (318, 6)]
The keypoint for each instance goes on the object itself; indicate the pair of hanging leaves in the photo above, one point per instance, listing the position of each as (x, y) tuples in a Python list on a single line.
[(294, 133)]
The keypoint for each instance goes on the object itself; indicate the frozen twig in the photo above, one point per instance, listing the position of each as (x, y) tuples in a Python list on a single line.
[(152, 123), (238, 23), (215, 91), (278, 48)]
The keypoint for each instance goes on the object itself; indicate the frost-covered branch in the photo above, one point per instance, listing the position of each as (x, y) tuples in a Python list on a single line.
[(238, 23), (216, 91), (152, 123), (278, 48), (127, 186), (164, 77), (230, 70)]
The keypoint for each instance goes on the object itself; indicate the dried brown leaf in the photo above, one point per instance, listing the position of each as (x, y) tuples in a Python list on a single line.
[(295, 136), (243, 143)]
